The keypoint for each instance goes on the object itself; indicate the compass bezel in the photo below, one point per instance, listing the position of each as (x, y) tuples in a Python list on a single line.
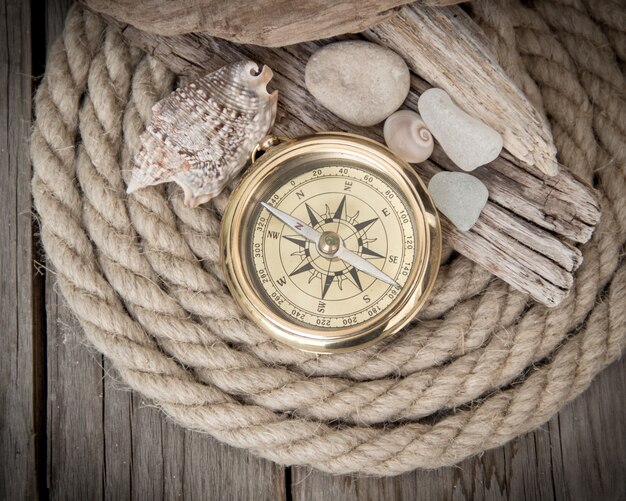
[(339, 147)]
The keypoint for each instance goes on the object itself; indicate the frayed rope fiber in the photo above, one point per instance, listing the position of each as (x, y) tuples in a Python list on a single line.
[(142, 274)]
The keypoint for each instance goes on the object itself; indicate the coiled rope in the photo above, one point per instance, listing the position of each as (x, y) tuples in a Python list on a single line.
[(141, 272)]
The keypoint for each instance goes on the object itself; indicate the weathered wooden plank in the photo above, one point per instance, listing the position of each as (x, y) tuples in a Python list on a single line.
[(239, 21), (144, 453), (579, 455), (75, 432), (118, 440), (217, 471), (148, 457), (524, 255), (588, 441), (75, 394), (18, 328), (265, 22)]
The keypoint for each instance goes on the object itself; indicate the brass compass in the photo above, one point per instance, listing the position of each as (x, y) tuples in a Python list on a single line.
[(330, 242)]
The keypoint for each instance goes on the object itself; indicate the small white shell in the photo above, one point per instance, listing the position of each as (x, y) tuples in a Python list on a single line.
[(408, 137), (202, 134)]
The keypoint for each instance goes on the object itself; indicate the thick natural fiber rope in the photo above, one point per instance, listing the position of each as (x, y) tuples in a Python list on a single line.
[(141, 272)]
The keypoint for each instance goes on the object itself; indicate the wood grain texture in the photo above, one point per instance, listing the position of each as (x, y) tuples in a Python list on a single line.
[(522, 236), (271, 23), (579, 455), (18, 455), (75, 400)]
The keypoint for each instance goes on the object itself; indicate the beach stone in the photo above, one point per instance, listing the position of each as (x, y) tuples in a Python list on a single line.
[(467, 141), (359, 81), (459, 196)]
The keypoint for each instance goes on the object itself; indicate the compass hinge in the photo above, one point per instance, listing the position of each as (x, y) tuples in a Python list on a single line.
[(265, 144)]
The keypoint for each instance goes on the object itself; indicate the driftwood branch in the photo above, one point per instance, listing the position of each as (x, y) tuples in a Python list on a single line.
[(271, 23), (522, 235)]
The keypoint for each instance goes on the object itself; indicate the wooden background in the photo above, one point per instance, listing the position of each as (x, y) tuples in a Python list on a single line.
[(69, 430)]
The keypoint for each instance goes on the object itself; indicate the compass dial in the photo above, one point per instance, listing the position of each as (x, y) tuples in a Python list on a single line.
[(306, 283), (330, 242)]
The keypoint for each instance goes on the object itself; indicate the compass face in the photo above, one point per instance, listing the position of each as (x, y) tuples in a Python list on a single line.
[(330, 242), (344, 202)]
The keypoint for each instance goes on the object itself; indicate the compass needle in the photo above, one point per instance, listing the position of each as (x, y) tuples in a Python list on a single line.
[(295, 224), (365, 266)]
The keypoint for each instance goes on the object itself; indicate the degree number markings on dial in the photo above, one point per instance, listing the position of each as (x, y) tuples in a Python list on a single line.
[(372, 222)]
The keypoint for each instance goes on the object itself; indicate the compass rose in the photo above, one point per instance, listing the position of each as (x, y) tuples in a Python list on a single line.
[(317, 259)]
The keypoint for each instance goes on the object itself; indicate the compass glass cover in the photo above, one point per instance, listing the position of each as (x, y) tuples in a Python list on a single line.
[(364, 209), (330, 242)]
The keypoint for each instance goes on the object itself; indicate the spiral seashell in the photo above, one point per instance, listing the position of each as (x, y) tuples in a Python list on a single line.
[(202, 134), (408, 137)]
